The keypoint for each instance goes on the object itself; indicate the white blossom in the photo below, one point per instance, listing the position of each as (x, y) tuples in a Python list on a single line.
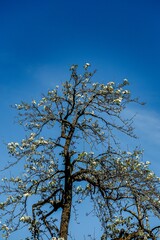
[(110, 89), (125, 81), (126, 92), (34, 102), (129, 153), (79, 188), (94, 163), (110, 83), (118, 100), (92, 153), (26, 219), (118, 91), (74, 66), (147, 163), (86, 65), (4, 227), (27, 194)]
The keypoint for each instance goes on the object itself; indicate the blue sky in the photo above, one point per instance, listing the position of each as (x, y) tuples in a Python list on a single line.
[(39, 40)]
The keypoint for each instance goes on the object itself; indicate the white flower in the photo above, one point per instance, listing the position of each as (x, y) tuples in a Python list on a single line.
[(110, 83), (125, 81), (139, 164), (1, 205), (26, 219), (33, 168), (118, 100), (110, 89), (126, 92), (50, 92), (79, 188), (33, 147), (18, 106), (44, 99), (147, 162), (85, 153), (33, 102), (74, 66), (129, 153), (94, 163), (86, 65), (31, 137), (17, 179), (118, 91), (150, 175), (4, 227), (26, 194)]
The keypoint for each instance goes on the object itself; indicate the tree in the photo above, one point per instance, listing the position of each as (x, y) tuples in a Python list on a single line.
[(79, 158)]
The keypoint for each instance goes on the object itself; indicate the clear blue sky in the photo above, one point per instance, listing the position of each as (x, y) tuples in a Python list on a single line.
[(39, 40)]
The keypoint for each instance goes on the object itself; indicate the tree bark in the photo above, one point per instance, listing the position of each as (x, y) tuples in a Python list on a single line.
[(65, 218), (66, 211)]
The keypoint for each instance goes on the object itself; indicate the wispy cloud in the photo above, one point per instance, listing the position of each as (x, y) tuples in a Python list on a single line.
[(147, 129), (147, 125), (49, 75)]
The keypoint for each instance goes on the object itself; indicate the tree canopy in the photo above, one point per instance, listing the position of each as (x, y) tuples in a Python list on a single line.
[(70, 153)]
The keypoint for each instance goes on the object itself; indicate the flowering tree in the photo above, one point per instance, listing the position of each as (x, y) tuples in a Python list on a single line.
[(78, 159)]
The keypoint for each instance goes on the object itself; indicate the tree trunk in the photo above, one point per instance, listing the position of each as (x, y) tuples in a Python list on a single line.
[(65, 218), (66, 212)]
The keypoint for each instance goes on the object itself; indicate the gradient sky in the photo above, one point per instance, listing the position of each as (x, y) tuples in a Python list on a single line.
[(40, 40)]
